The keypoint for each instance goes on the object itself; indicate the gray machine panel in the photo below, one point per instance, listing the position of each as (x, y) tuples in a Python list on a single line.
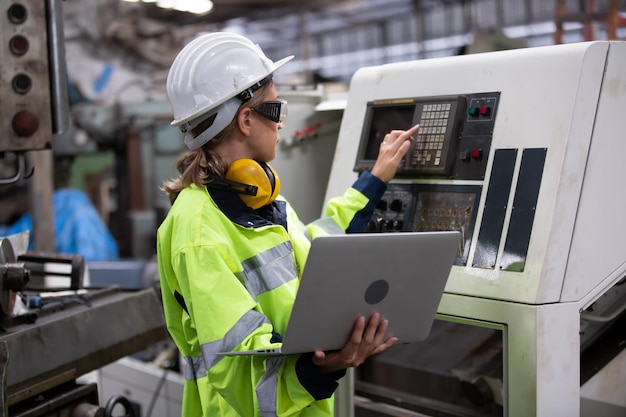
[(453, 141)]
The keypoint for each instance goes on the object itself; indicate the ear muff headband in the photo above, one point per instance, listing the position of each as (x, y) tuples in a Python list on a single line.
[(234, 186), (254, 174), (271, 175)]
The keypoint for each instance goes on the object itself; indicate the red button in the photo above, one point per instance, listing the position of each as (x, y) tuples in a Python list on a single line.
[(25, 123), (477, 153), (485, 111), (18, 45)]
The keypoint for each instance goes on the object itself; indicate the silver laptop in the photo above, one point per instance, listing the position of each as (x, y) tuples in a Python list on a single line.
[(400, 275)]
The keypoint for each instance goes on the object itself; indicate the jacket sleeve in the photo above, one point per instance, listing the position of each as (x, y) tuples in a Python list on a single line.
[(350, 212), (226, 317)]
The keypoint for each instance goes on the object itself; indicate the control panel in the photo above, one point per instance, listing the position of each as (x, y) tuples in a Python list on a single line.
[(33, 104), (453, 140), (428, 207)]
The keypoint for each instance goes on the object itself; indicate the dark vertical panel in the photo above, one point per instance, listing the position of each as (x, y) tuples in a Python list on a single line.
[(523, 213), (495, 208)]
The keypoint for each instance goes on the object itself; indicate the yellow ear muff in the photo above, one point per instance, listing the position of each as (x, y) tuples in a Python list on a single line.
[(259, 174)]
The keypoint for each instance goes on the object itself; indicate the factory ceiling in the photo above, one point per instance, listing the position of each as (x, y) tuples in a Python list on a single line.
[(156, 33), (135, 42)]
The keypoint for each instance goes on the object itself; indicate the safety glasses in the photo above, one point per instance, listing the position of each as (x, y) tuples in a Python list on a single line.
[(276, 111)]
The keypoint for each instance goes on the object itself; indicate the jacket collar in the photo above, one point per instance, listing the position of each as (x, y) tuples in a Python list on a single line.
[(238, 212)]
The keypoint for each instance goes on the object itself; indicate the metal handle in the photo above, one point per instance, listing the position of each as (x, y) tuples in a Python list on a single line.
[(586, 315), (58, 68), (21, 171)]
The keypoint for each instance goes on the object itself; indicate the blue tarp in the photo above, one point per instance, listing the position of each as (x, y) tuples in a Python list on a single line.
[(78, 228)]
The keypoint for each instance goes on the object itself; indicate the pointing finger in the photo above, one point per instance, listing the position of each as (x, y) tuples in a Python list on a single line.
[(412, 130)]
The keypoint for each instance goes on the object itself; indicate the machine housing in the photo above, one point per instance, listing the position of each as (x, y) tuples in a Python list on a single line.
[(520, 150)]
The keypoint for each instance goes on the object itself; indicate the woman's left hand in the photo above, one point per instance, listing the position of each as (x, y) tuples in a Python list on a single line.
[(365, 341)]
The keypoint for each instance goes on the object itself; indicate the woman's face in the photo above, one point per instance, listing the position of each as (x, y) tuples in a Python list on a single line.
[(264, 132)]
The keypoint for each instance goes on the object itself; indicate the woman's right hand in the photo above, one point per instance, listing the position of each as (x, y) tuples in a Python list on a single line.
[(392, 149), (365, 341)]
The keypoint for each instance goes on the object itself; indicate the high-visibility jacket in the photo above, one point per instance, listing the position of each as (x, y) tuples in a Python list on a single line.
[(229, 276)]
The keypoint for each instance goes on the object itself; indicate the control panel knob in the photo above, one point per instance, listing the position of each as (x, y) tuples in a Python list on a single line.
[(17, 13), (396, 205), (25, 123)]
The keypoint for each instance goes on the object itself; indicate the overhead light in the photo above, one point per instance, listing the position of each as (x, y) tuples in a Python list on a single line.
[(189, 6)]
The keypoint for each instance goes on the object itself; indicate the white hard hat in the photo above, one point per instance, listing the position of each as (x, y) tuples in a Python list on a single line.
[(207, 75)]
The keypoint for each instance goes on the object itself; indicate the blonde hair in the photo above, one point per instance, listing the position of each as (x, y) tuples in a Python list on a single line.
[(198, 165)]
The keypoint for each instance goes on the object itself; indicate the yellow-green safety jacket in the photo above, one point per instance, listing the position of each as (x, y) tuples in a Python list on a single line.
[(229, 276)]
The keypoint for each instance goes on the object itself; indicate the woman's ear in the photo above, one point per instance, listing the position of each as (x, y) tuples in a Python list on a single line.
[(244, 121)]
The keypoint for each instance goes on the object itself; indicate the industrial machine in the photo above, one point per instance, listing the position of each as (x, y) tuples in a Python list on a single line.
[(50, 336), (522, 152)]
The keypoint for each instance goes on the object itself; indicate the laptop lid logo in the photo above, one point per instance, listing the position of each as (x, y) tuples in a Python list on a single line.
[(376, 292)]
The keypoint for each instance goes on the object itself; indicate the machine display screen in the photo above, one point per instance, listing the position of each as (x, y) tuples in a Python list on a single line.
[(383, 120), (433, 150), (441, 208)]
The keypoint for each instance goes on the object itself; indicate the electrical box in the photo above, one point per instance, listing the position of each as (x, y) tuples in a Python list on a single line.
[(33, 87)]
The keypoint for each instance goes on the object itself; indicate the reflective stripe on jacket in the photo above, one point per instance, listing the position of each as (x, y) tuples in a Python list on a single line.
[(229, 277)]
